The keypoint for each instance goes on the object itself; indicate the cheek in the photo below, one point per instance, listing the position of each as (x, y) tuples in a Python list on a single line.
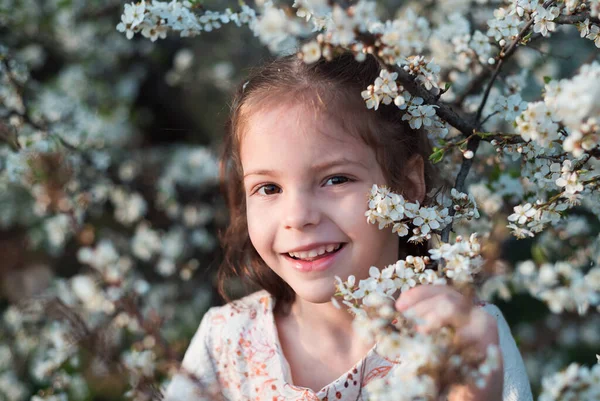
[(380, 239), (352, 212), (258, 228), (253, 226), (382, 243)]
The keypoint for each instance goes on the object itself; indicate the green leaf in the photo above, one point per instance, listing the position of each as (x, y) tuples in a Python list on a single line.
[(515, 172), (538, 254), (526, 37), (437, 155), (496, 173), (64, 4), (547, 79), (447, 86)]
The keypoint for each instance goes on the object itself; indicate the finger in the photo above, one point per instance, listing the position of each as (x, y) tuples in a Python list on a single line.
[(481, 328), (473, 326), (441, 310), (417, 294)]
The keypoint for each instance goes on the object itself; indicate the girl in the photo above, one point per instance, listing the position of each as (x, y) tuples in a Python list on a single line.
[(301, 153)]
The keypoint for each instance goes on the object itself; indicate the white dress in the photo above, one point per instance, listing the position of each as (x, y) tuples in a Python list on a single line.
[(236, 355)]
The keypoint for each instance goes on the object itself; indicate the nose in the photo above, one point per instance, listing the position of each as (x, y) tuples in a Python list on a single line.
[(301, 210)]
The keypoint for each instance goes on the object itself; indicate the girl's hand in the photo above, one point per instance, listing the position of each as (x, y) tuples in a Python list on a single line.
[(440, 305)]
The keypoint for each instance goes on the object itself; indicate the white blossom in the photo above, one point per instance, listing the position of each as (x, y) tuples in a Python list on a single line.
[(522, 213), (420, 115), (543, 20), (311, 52), (145, 243), (133, 15)]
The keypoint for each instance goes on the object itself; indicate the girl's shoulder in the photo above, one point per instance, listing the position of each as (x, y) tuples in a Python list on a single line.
[(240, 315), (223, 345)]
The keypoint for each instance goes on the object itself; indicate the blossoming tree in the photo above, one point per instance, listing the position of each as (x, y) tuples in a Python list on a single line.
[(514, 125), (445, 73)]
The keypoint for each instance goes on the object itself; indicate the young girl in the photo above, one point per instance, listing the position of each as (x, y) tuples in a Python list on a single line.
[(301, 153)]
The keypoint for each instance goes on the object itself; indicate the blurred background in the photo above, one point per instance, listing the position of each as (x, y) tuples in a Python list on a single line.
[(110, 207)]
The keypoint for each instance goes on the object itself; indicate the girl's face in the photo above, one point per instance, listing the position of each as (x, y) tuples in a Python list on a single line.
[(306, 184)]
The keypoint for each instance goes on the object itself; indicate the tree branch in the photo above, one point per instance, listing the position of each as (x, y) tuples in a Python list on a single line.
[(443, 110), (459, 184), (576, 18)]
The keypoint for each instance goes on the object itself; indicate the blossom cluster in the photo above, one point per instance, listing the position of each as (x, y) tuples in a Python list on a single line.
[(578, 113), (154, 19), (427, 73), (573, 185), (561, 134), (456, 263), (589, 31), (387, 208), (77, 190), (562, 286), (423, 356), (576, 382), (385, 90), (113, 225), (371, 301)]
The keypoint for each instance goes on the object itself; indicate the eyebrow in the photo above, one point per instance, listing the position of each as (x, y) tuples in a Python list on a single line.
[(317, 167)]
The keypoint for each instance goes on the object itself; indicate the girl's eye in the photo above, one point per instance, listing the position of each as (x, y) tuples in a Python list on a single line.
[(337, 180), (268, 189)]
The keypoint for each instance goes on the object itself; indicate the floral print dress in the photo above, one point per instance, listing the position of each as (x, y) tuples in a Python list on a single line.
[(236, 355)]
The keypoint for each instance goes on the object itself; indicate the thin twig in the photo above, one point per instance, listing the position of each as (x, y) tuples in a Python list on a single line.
[(485, 120), (488, 89)]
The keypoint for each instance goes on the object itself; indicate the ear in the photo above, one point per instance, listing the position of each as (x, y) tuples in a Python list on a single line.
[(415, 179)]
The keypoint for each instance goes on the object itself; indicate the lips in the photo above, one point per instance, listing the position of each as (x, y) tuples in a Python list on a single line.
[(318, 263)]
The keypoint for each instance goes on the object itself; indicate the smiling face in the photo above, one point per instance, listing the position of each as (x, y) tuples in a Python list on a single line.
[(306, 183)]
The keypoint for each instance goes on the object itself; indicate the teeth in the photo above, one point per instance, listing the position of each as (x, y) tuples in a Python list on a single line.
[(315, 252)]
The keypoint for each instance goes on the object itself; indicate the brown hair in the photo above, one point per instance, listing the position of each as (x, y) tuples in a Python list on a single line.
[(333, 87)]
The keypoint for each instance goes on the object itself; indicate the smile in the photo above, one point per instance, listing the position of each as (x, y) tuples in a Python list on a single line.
[(316, 252), (317, 259)]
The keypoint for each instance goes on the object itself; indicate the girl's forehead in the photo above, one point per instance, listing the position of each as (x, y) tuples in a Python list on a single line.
[(278, 141), (296, 122)]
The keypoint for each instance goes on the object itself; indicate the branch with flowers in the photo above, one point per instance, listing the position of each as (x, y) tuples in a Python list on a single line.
[(520, 158), (555, 139), (99, 238)]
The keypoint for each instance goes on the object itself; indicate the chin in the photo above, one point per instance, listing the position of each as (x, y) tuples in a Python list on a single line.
[(316, 295)]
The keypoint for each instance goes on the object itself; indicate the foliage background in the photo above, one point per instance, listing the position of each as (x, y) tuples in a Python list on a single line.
[(136, 124)]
